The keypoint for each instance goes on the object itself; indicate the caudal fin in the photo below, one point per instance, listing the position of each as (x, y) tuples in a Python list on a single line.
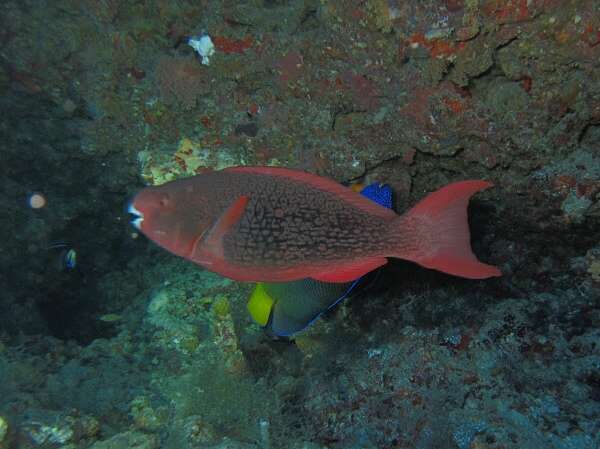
[(436, 232)]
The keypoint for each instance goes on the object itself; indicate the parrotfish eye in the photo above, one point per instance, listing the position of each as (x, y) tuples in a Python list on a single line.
[(164, 200)]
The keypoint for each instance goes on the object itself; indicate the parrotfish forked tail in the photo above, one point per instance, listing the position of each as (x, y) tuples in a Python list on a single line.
[(275, 225)]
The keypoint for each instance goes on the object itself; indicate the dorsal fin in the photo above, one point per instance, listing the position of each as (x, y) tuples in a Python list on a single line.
[(328, 185)]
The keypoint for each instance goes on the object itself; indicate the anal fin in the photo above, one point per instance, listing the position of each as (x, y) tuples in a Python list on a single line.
[(351, 271)]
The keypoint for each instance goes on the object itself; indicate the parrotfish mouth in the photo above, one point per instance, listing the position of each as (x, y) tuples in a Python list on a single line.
[(138, 217)]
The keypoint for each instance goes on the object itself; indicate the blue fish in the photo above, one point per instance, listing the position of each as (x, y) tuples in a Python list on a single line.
[(67, 256)]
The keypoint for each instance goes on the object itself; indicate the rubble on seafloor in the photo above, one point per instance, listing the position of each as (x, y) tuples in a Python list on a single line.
[(134, 349)]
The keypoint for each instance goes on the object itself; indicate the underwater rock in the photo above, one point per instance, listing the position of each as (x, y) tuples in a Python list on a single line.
[(309, 345), (225, 336), (181, 81), (232, 444), (575, 207), (190, 158), (42, 434), (592, 263), (414, 94), (198, 431), (145, 416), (128, 440), (64, 430)]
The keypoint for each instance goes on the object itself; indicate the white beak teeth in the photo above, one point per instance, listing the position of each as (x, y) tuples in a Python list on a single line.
[(139, 217), (137, 223)]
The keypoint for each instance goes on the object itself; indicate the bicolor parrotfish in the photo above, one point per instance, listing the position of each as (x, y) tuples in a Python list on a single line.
[(270, 224), (285, 308)]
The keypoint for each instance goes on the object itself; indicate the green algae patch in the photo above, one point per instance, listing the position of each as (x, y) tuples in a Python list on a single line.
[(221, 307), (3, 430)]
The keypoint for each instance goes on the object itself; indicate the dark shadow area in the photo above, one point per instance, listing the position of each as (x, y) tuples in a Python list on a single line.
[(42, 154)]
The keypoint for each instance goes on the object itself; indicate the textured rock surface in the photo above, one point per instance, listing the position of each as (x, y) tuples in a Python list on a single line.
[(98, 98)]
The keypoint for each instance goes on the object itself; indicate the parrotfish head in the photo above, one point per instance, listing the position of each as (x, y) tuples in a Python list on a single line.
[(173, 216)]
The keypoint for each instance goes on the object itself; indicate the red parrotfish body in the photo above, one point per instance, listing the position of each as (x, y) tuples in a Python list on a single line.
[(274, 225)]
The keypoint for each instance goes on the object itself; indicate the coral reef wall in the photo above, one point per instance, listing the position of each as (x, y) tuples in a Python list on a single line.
[(107, 341)]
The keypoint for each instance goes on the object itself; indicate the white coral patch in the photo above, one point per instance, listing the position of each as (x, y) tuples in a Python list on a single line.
[(203, 45)]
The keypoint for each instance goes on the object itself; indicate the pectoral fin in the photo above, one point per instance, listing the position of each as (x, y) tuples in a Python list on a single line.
[(211, 245)]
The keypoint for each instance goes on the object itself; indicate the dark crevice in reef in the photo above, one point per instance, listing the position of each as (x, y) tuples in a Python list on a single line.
[(42, 153)]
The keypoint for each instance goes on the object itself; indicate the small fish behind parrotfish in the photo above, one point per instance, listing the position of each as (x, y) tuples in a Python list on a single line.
[(285, 308), (275, 225)]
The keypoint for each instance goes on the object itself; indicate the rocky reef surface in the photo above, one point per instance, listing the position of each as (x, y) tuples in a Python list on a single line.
[(118, 344)]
